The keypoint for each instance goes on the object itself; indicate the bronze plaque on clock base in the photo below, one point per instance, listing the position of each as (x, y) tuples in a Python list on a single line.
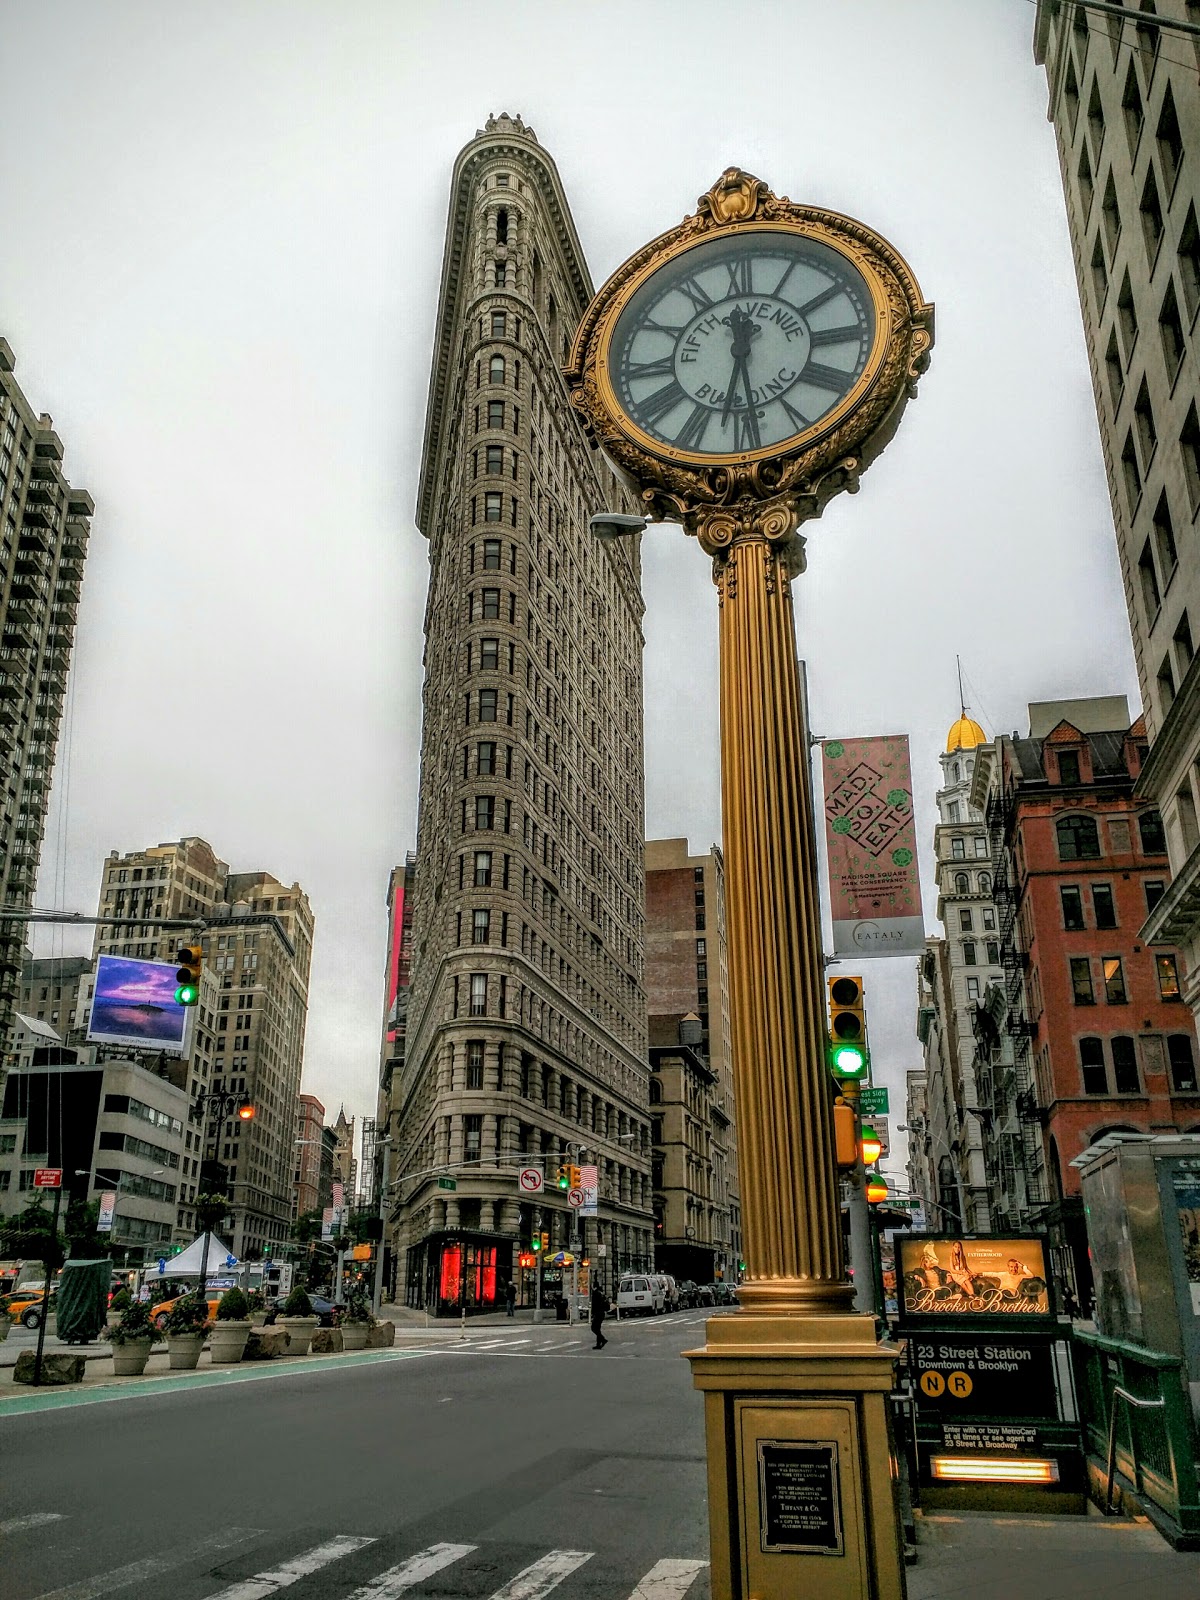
[(801, 1485)]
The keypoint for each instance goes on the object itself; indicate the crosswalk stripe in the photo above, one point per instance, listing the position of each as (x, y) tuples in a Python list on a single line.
[(149, 1566), (35, 1519), (668, 1580), (387, 1585), (543, 1575), (301, 1566)]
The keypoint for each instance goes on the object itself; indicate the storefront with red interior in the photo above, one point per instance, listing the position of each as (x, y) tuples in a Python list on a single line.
[(458, 1270)]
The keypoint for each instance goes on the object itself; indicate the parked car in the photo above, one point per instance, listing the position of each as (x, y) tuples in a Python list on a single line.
[(688, 1292), (324, 1309), (639, 1295), (723, 1294), (705, 1295)]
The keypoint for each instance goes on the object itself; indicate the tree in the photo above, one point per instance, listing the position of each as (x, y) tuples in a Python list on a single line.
[(307, 1227), (30, 1235), (82, 1235)]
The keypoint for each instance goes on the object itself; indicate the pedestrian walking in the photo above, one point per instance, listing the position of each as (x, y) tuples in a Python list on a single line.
[(599, 1308), (510, 1297)]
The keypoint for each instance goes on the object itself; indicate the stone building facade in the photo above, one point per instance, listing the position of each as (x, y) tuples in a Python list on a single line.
[(1124, 99), (526, 1032), (44, 529), (248, 1036), (697, 1210)]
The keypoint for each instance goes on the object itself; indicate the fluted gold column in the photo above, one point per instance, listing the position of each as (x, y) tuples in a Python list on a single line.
[(791, 1220)]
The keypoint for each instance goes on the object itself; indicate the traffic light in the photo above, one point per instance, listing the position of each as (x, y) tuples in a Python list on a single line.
[(187, 979), (564, 1178), (848, 1053), (545, 1241), (845, 1134), (872, 1149), (536, 1243), (877, 1189), (576, 1177)]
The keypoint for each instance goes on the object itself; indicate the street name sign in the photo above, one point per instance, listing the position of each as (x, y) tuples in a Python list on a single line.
[(874, 1102), (47, 1178), (447, 1183), (529, 1180)]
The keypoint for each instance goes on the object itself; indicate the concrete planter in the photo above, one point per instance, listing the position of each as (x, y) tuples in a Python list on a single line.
[(300, 1331), (354, 1335), (258, 1319), (5, 1325), (129, 1360), (227, 1341), (183, 1350)]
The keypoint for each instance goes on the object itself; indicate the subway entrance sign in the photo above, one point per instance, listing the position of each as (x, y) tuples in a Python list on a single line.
[(989, 1371)]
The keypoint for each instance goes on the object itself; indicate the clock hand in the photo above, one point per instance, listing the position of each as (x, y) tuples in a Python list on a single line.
[(739, 367)]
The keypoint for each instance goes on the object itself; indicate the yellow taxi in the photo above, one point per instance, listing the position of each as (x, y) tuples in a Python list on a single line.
[(25, 1306), (162, 1311)]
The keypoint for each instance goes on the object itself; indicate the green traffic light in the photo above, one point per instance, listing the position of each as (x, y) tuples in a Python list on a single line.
[(849, 1060), (187, 994)]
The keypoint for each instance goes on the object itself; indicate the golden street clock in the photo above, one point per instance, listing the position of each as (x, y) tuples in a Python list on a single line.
[(760, 349)]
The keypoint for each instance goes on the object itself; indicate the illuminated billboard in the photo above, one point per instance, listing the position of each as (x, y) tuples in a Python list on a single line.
[(134, 1004), (967, 1278)]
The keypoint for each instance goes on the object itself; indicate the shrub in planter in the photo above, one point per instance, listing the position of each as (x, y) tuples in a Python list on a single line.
[(356, 1320), (229, 1333), (297, 1304), (186, 1325), (119, 1302), (296, 1315), (131, 1340)]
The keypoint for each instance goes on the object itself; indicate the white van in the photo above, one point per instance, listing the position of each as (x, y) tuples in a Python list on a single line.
[(639, 1295)]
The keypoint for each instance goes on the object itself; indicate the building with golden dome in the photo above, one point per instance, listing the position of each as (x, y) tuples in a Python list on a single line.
[(947, 1155)]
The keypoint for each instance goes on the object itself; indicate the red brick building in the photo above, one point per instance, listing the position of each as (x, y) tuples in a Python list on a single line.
[(1103, 1038)]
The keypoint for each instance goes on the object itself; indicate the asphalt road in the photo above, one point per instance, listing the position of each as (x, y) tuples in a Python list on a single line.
[(511, 1465)]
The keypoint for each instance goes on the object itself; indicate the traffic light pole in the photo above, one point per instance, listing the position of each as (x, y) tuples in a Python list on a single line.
[(861, 1251)]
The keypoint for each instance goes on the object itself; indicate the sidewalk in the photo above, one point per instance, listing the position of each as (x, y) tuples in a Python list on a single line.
[(1046, 1558)]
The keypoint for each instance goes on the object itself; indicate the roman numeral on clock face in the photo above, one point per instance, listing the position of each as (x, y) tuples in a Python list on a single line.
[(822, 336), (827, 377), (741, 275), (662, 367), (656, 405), (746, 431), (691, 434), (695, 293)]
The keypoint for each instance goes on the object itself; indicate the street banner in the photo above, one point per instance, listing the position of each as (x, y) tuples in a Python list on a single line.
[(874, 886), (327, 1223), (590, 1183), (108, 1206)]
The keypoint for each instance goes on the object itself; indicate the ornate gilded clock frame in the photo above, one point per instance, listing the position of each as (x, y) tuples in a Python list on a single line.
[(775, 489)]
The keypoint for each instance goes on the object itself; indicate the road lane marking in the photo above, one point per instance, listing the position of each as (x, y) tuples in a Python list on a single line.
[(396, 1580), (149, 1566), (301, 1566), (35, 1519), (668, 1580), (543, 1575)]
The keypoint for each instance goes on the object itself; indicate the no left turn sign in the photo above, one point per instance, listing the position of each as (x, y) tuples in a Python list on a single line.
[(530, 1180), (575, 1197)]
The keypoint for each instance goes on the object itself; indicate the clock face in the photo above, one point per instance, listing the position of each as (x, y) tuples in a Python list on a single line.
[(741, 344)]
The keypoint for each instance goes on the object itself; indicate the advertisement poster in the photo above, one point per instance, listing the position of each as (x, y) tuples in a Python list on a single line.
[(134, 1004), (1187, 1207), (874, 886), (952, 1278)]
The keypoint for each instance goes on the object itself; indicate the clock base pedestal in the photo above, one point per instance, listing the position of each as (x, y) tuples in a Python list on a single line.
[(802, 1482)]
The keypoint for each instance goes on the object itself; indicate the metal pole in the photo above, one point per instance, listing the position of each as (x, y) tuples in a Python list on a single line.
[(537, 1270), (860, 1214), (377, 1291), (37, 1360)]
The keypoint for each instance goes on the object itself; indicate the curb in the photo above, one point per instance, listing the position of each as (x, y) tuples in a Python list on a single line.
[(104, 1390)]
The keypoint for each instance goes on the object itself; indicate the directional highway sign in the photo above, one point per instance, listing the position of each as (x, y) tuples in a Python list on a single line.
[(873, 1102)]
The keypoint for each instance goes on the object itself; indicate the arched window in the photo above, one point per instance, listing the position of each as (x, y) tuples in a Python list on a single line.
[(985, 883), (1150, 827), (502, 226), (957, 773), (496, 369), (655, 1092), (962, 884), (1078, 839)]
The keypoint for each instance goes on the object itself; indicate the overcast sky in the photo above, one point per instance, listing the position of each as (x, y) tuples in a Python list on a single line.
[(220, 244)]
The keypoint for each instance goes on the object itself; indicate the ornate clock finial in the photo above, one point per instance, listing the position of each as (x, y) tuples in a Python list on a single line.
[(733, 198)]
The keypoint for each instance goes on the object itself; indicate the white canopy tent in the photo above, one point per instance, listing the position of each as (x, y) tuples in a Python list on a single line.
[(187, 1263)]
